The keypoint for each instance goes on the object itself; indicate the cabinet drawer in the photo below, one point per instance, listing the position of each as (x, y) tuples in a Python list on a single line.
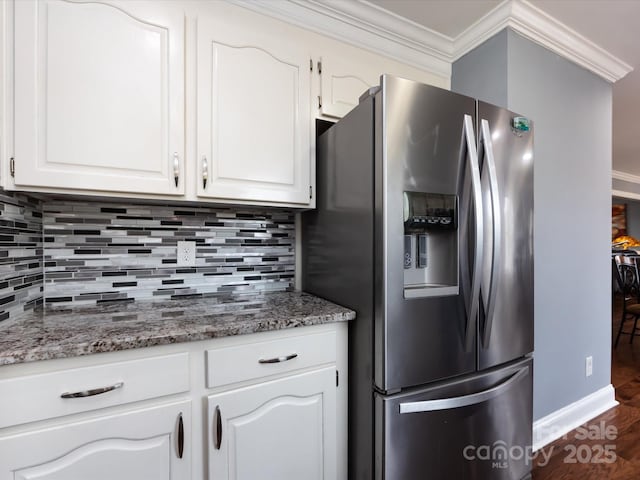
[(262, 359), (37, 397)]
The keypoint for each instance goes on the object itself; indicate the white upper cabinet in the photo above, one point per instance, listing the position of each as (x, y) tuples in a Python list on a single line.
[(99, 96), (344, 78), (342, 83), (201, 100), (253, 113)]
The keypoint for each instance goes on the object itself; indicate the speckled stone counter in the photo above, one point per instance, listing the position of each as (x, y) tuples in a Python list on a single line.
[(59, 332)]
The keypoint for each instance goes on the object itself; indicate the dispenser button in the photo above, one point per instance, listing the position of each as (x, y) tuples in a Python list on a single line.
[(408, 260), (422, 252)]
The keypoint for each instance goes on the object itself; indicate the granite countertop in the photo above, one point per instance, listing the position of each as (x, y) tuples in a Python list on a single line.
[(63, 331)]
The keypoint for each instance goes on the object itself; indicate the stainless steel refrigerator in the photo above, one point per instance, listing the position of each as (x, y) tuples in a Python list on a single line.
[(424, 226)]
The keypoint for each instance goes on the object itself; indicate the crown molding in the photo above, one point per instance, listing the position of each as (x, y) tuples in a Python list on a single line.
[(538, 26), (368, 26), (624, 176), (623, 194), (482, 30)]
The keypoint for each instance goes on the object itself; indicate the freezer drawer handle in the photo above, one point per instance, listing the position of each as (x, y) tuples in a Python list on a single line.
[(278, 359), (91, 393), (465, 400)]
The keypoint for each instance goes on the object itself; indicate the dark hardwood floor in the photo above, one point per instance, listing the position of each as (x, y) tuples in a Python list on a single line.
[(589, 455)]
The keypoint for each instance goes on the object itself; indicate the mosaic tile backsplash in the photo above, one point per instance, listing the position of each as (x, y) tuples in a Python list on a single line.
[(20, 254), (99, 252)]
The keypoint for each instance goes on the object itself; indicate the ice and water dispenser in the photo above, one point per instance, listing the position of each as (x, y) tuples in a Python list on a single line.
[(430, 244)]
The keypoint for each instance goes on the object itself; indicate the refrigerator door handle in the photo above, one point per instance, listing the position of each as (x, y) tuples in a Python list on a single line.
[(474, 295), (464, 400), (496, 216)]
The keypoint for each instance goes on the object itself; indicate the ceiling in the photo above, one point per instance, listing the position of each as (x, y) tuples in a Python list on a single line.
[(611, 24)]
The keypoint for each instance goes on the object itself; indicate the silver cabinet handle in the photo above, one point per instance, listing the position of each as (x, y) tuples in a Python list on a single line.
[(176, 168), (91, 393), (465, 400), (473, 299), (278, 359), (496, 217), (180, 436), (205, 172), (217, 441)]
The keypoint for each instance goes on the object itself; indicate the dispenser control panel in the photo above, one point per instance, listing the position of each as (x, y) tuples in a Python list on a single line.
[(428, 211)]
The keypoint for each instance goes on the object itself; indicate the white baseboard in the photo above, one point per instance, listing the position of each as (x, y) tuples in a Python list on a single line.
[(562, 421)]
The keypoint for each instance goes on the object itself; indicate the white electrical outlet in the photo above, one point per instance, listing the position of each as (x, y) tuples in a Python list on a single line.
[(186, 254), (589, 366)]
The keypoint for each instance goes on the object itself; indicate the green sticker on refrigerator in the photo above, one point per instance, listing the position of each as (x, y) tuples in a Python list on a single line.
[(520, 123)]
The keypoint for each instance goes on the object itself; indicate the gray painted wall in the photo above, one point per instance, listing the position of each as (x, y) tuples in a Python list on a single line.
[(483, 72), (571, 108)]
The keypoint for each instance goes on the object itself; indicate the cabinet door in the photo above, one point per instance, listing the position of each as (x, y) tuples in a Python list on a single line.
[(344, 79), (141, 444), (254, 118), (284, 429), (342, 83), (99, 96)]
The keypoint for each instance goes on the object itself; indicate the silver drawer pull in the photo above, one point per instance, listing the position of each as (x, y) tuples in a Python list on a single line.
[(91, 393), (464, 400), (278, 359)]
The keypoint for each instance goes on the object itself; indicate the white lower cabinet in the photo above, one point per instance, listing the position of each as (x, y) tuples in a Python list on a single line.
[(256, 406), (283, 429), (141, 444)]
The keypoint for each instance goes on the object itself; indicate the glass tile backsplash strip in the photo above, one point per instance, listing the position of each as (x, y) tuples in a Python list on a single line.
[(20, 254), (103, 252)]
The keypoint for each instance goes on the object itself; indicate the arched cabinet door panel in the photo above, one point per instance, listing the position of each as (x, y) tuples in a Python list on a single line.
[(135, 445), (254, 122), (343, 80), (342, 83), (99, 96), (284, 429)]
